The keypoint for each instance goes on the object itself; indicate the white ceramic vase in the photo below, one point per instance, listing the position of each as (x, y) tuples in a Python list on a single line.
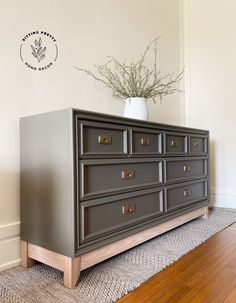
[(136, 108)]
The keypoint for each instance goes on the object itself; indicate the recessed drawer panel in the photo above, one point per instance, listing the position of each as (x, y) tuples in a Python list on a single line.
[(179, 170), (103, 216), (98, 139), (176, 144), (103, 177), (185, 194), (145, 142), (198, 145)]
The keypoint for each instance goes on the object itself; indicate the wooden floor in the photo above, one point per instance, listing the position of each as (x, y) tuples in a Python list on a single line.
[(206, 275)]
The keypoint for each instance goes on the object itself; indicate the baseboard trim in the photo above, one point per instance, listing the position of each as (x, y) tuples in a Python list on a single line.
[(8, 231), (9, 245), (223, 191), (10, 265), (223, 201), (231, 210)]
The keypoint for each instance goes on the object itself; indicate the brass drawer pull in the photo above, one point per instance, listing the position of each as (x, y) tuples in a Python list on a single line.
[(174, 143), (105, 140), (187, 192), (128, 209), (196, 143), (128, 174), (187, 168), (145, 141)]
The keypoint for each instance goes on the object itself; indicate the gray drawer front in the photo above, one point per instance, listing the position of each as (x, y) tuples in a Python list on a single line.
[(176, 144), (102, 216), (182, 170), (185, 194), (198, 145), (100, 177), (145, 142), (98, 139)]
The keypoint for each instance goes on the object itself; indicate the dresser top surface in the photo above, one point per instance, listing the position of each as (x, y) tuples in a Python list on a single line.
[(108, 118)]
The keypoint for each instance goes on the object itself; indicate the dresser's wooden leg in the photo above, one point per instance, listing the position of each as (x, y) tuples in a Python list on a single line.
[(25, 260), (206, 214), (71, 271)]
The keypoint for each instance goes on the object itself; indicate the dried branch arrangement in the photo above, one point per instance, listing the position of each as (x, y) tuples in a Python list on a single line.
[(136, 79)]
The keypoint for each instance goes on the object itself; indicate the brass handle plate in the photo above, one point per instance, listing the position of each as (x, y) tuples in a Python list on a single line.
[(127, 174), (196, 143), (145, 141), (187, 168), (128, 209), (174, 143), (187, 192), (104, 140)]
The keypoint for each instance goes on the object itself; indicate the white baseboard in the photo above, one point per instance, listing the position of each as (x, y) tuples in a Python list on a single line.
[(9, 230), (9, 265), (223, 200), (9, 245), (224, 197)]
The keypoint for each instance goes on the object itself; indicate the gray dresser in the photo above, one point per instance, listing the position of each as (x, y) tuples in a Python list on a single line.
[(89, 180)]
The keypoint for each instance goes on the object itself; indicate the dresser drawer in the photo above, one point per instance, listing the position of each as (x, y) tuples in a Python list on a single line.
[(102, 139), (103, 216), (185, 194), (198, 145), (176, 144), (182, 170), (104, 177), (145, 142)]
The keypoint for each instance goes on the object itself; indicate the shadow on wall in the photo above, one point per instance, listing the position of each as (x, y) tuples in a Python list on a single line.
[(212, 173), (10, 197)]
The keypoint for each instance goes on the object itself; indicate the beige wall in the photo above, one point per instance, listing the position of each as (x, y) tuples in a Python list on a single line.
[(211, 62), (86, 31)]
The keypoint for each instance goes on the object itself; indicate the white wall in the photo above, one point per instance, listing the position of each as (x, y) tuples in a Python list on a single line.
[(211, 62), (86, 31)]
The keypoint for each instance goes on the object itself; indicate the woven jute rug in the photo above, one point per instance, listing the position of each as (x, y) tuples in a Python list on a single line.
[(112, 279)]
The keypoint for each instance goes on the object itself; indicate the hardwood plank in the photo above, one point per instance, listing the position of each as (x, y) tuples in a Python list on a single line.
[(158, 287), (231, 298), (206, 274)]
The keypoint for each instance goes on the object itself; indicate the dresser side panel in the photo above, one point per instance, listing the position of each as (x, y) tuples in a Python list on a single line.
[(46, 181)]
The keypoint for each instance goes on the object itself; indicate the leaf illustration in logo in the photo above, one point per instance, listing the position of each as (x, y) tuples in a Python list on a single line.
[(44, 49), (38, 51), (33, 49), (42, 56), (34, 52), (36, 43)]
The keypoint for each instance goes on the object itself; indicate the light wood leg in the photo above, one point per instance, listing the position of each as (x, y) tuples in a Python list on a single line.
[(71, 271), (206, 214), (25, 260), (70, 266)]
